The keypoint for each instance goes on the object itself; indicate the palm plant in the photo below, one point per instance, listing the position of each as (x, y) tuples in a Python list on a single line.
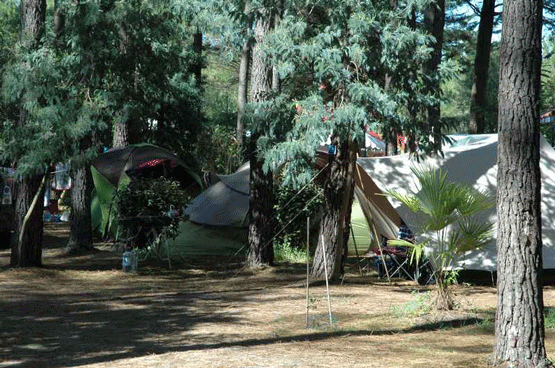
[(447, 214)]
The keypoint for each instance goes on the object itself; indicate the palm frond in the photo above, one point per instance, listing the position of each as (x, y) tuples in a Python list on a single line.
[(417, 249), (438, 198), (410, 201), (470, 234), (474, 201)]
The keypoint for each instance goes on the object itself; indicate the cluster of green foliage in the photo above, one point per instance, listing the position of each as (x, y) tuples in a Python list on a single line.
[(285, 252), (292, 207), (218, 151), (220, 88), (456, 91), (148, 208), (333, 60), (111, 62)]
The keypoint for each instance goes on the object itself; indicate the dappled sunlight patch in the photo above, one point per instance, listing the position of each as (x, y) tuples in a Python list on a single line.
[(194, 317)]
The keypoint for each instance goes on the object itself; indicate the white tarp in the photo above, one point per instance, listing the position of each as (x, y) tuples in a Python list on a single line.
[(473, 161)]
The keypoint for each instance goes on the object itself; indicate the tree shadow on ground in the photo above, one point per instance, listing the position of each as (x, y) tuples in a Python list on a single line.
[(42, 327), (61, 330), (72, 329)]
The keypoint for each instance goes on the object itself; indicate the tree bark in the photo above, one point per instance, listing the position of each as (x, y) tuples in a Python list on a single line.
[(261, 184), (434, 21), (242, 90), (59, 20), (519, 327), (32, 18), (260, 213), (121, 134), (126, 130), (481, 67), (80, 237), (338, 195), (261, 83), (276, 82), (27, 250)]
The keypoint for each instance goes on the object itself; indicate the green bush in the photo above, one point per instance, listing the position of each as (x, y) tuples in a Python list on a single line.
[(292, 208), (219, 150), (148, 209), (285, 252)]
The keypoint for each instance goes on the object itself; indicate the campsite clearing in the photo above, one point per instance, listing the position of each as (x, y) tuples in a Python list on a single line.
[(84, 311)]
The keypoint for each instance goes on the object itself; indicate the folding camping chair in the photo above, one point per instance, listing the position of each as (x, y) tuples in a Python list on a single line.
[(393, 261)]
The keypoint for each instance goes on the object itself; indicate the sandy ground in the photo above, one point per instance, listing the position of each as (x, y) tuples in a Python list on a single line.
[(84, 311)]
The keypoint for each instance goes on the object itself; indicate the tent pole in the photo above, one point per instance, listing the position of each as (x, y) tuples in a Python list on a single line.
[(381, 253), (356, 250), (307, 269), (327, 282)]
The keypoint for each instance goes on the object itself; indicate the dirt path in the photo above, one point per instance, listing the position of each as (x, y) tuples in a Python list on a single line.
[(83, 311)]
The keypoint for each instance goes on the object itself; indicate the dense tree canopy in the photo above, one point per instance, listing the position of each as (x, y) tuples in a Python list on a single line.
[(98, 65)]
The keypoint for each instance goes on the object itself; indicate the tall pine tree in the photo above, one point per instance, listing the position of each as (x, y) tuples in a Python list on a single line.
[(361, 62), (261, 182), (27, 250), (519, 323)]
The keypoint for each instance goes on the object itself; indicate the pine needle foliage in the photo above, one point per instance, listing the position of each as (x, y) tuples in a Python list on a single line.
[(333, 58), (79, 82)]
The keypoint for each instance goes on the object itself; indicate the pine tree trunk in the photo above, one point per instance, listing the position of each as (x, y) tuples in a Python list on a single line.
[(261, 83), (434, 20), (121, 134), (125, 129), (519, 327), (59, 20), (260, 213), (338, 195), (32, 18), (242, 90), (28, 251), (276, 82), (481, 67), (80, 237), (261, 184)]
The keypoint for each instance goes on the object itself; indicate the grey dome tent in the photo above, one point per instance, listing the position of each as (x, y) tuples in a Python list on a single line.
[(226, 203), (217, 218)]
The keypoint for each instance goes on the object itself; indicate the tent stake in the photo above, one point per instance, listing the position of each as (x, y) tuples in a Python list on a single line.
[(169, 253), (307, 268), (327, 282)]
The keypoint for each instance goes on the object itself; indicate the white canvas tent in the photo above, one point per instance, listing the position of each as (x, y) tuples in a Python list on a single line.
[(471, 160)]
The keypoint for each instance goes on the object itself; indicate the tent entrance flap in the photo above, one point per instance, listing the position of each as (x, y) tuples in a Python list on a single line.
[(379, 223), (382, 218)]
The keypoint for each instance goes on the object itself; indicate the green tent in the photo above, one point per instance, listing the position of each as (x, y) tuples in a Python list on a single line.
[(119, 166)]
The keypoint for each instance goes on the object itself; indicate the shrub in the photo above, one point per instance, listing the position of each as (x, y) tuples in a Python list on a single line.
[(147, 209), (292, 207)]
